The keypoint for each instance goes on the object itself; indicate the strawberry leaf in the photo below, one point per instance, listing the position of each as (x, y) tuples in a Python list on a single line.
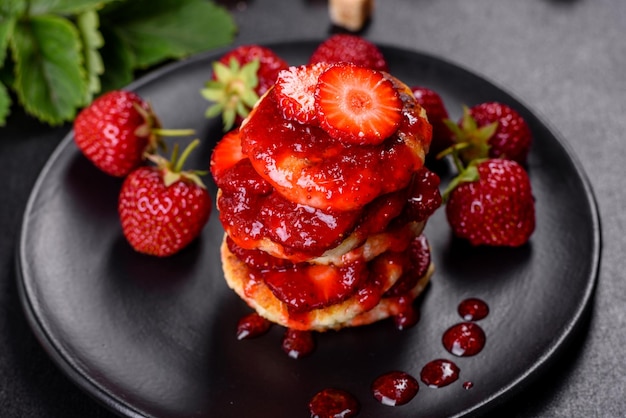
[(169, 29), (6, 28), (64, 7), (468, 175), (118, 61), (50, 82), (88, 23), (5, 104)]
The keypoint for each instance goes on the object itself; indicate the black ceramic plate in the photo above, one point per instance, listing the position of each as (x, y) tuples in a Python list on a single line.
[(156, 337)]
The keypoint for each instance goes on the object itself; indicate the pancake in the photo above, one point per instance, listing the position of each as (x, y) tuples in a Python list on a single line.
[(347, 313)]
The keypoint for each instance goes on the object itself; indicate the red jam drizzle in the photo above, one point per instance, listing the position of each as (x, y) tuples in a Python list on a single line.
[(464, 339), (418, 261), (395, 388), (439, 373), (473, 309), (298, 343), (408, 316), (333, 403), (251, 326)]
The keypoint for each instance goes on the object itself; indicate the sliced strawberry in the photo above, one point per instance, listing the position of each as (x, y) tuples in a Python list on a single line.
[(357, 104), (307, 287), (295, 91), (226, 153)]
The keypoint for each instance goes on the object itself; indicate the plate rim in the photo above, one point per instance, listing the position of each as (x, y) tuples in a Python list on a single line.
[(515, 386)]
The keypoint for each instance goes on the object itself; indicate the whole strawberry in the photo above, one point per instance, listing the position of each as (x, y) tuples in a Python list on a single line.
[(115, 132), (162, 208), (493, 130), (437, 113), (239, 78), (350, 48), (491, 203)]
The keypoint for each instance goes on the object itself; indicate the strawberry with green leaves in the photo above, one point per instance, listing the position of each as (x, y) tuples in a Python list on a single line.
[(493, 130), (491, 203), (162, 208), (118, 130), (239, 78), (357, 104)]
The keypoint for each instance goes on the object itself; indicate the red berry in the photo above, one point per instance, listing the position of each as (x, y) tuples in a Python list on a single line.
[(357, 105), (162, 209), (270, 64), (350, 48), (492, 130), (239, 78), (437, 113), (497, 208), (226, 153), (512, 138), (115, 131), (295, 91)]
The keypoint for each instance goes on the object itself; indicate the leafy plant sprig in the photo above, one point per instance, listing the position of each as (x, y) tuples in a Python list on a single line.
[(56, 55)]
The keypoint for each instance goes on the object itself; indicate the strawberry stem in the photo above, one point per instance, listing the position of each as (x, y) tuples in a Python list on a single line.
[(173, 132), (179, 162)]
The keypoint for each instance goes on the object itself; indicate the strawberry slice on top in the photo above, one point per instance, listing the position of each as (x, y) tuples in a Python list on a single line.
[(357, 105)]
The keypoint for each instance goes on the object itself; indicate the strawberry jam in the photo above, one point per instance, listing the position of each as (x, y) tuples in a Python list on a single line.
[(252, 325), (395, 388), (305, 287), (309, 167), (439, 373), (333, 403), (464, 339), (298, 343)]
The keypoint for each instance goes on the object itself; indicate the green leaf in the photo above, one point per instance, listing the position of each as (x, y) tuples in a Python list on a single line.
[(468, 175), (13, 8), (88, 23), (169, 29), (9, 11), (5, 104), (50, 81), (64, 7), (6, 29), (118, 59)]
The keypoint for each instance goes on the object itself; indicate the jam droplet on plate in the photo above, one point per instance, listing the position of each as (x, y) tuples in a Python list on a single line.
[(408, 315), (406, 319), (395, 388), (333, 403), (252, 325), (468, 385), (298, 343), (464, 339), (473, 309), (439, 373)]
